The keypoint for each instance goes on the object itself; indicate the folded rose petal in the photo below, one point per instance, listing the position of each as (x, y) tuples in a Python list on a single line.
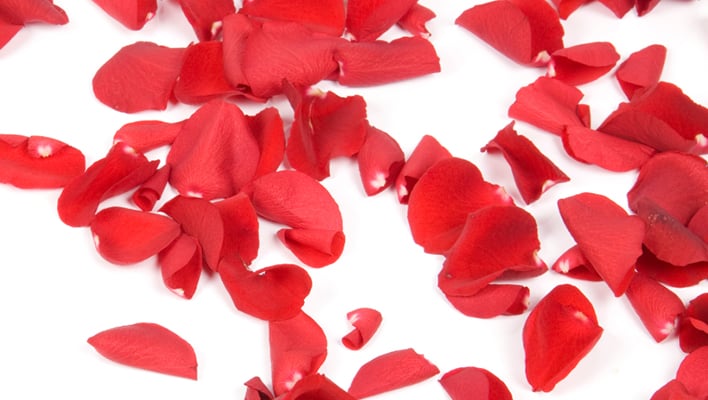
[(474, 383), (144, 136), (240, 222), (492, 301), (151, 190), (391, 371), (126, 236), (657, 306), (181, 265), (379, 62), (267, 128), (140, 76), (669, 274), (257, 390), (609, 238), (692, 372), (606, 151), (548, 104), (693, 328), (582, 63), (314, 247), (317, 387), (298, 346), (366, 322), (148, 346), (368, 19), (202, 77), (20, 12), (641, 69), (533, 172), (442, 199), (428, 152), (206, 16), (380, 160), (415, 19), (326, 16), (526, 31), (38, 162), (574, 264), (558, 333), (133, 14)]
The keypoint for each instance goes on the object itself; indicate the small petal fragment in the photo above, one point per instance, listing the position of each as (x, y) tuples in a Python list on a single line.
[(428, 152), (641, 69), (380, 160), (474, 383), (368, 19), (133, 14), (391, 371), (206, 16), (657, 306), (582, 63), (148, 346), (366, 322), (693, 328), (326, 16)]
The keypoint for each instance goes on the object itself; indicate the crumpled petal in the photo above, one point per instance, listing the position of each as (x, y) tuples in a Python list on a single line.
[(474, 383), (692, 372), (148, 346), (326, 16), (641, 69), (607, 151), (206, 16), (391, 371), (181, 265), (582, 63), (693, 327), (428, 152), (144, 136), (133, 14), (415, 19), (558, 333), (380, 159), (147, 195), (366, 322), (202, 77), (369, 19), (240, 222), (657, 306), (492, 301)]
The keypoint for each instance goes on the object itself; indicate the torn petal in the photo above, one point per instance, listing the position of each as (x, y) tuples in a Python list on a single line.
[(428, 152), (641, 69), (582, 63), (144, 136), (133, 14), (369, 19), (606, 151), (366, 322), (380, 159), (693, 327), (181, 265), (391, 371), (474, 383), (206, 16), (492, 301), (326, 16), (657, 306)]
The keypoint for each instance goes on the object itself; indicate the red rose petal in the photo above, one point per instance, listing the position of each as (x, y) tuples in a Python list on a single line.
[(144, 136), (314, 247), (533, 172), (273, 293), (257, 390), (326, 16), (202, 77), (267, 128), (606, 151), (366, 322), (567, 7), (368, 19), (428, 152), (139, 77), (474, 383), (574, 264), (20, 12), (644, 6), (379, 62), (298, 347), (548, 104), (641, 69), (181, 265), (610, 239), (241, 240), (415, 19), (582, 63), (618, 7), (670, 274), (206, 16), (237, 29), (125, 236), (148, 346), (380, 160), (317, 387), (673, 390), (133, 14), (525, 31), (492, 301), (121, 170), (391, 371), (8, 30), (693, 328), (151, 190), (657, 306), (692, 372), (558, 333), (38, 162), (442, 199)]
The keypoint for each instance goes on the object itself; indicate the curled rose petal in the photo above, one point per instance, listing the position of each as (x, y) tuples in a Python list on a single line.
[(558, 333), (240, 222), (202, 77), (415, 19), (669, 274), (492, 301), (148, 346), (133, 14), (317, 387), (181, 265), (38, 162), (257, 390), (368, 19), (326, 16), (607, 151), (474, 383), (140, 76), (692, 372), (693, 328), (380, 159), (574, 264), (641, 69), (20, 12), (314, 247), (657, 306), (151, 190), (144, 136), (206, 16), (391, 371), (126, 236), (366, 322), (428, 152), (582, 63)]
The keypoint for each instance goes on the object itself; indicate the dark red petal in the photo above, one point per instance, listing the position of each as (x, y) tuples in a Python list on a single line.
[(326, 16), (657, 306), (379, 62), (206, 16), (618, 7), (151, 190), (533, 172), (215, 153), (573, 263), (428, 152), (325, 126), (317, 387), (273, 293), (641, 69), (474, 383), (673, 390), (125, 236), (202, 220), (366, 322), (495, 240), (391, 371), (582, 63), (133, 14), (298, 347), (8, 30), (558, 333), (240, 221), (692, 372), (144, 136), (121, 170), (567, 7), (492, 301), (20, 12), (693, 328), (607, 151), (525, 31), (670, 274), (610, 239), (380, 159), (368, 19), (38, 162), (442, 199), (257, 390), (314, 247), (181, 265), (415, 19), (147, 346), (138, 77), (267, 128), (202, 76), (548, 104)]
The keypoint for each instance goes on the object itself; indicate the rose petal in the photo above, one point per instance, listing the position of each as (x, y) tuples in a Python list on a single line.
[(326, 16), (428, 152), (644, 6), (144, 136), (618, 7), (148, 346), (380, 160), (641, 69), (20, 12), (474, 383), (657, 306), (492, 301), (267, 128), (206, 16), (670, 274), (202, 77), (692, 372), (415, 19), (181, 265), (151, 190), (257, 390), (366, 322), (558, 333), (133, 14), (607, 151), (391, 371), (240, 221), (567, 7), (693, 328), (368, 19), (8, 30), (574, 264), (582, 63), (314, 247), (673, 390), (317, 387)]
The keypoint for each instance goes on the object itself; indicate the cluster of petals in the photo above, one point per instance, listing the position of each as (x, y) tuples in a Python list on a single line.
[(15, 14)]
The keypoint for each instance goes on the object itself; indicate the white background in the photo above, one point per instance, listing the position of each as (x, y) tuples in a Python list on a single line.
[(56, 291)]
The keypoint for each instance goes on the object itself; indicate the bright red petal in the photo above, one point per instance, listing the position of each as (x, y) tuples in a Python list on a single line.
[(692, 372), (582, 63), (133, 14), (428, 152), (147, 346), (492, 301), (267, 128), (151, 190), (317, 387), (641, 69), (567, 7), (368, 19), (206, 16), (673, 390), (181, 265), (573, 263), (618, 7), (366, 322), (20, 12), (314, 247), (657, 306), (380, 160), (558, 333), (241, 240), (670, 274), (326, 16), (607, 151), (415, 19), (257, 390), (202, 77), (474, 383), (144, 136), (693, 329), (8, 30), (391, 371)]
